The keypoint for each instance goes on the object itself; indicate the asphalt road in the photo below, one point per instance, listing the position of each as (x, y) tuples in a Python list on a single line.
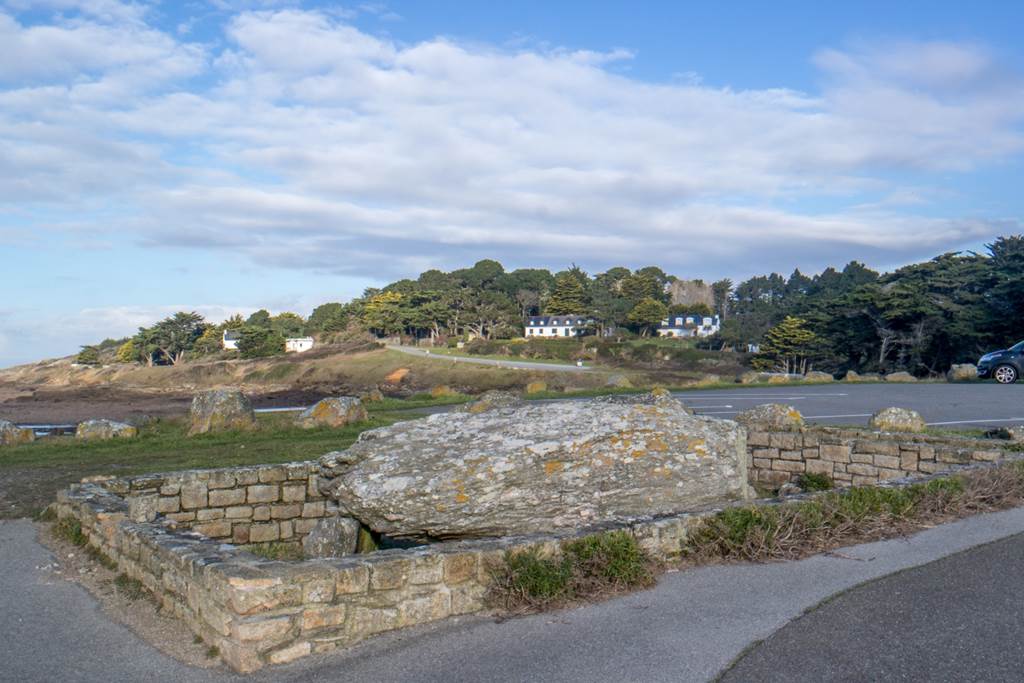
[(958, 619), (517, 364), (690, 627), (942, 405)]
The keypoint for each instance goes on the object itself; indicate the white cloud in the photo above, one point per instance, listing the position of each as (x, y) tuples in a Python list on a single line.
[(308, 143)]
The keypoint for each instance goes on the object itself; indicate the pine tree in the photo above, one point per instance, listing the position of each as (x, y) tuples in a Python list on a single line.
[(789, 346), (568, 297)]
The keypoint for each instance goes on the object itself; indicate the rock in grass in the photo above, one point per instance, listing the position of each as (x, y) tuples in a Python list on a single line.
[(12, 435), (443, 391), (536, 468), (962, 372), (220, 410), (102, 430), (491, 400), (818, 376), (336, 411), (853, 376), (897, 420), (900, 377), (536, 387), (772, 415)]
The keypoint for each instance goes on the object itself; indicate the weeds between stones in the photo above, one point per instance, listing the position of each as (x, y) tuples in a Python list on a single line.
[(70, 529), (131, 589), (813, 481), (795, 530), (587, 569)]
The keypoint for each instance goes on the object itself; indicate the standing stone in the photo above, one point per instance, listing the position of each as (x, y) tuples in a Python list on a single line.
[(102, 430), (335, 412), (331, 537), (220, 410), (897, 420), (536, 387), (818, 376), (899, 377), (537, 468), (962, 372), (773, 416), (12, 435)]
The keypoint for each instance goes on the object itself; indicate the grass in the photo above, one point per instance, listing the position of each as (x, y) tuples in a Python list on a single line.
[(70, 530), (276, 551), (463, 353), (129, 588), (587, 569), (859, 514), (31, 474), (415, 402), (813, 481)]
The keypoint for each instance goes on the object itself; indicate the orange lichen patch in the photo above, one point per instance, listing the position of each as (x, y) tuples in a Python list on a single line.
[(461, 498), (553, 467), (657, 444), (699, 447), (397, 376), (638, 453), (440, 508)]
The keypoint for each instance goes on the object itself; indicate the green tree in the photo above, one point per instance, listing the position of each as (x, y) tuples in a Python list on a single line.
[(331, 317), (260, 318), (89, 355), (288, 324), (647, 315), (176, 335), (385, 313), (789, 346), (258, 342), (568, 297), (127, 353)]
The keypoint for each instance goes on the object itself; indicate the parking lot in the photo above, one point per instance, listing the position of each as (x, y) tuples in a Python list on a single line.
[(955, 406)]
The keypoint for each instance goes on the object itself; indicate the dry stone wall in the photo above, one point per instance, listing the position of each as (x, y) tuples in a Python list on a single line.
[(260, 504), (857, 457)]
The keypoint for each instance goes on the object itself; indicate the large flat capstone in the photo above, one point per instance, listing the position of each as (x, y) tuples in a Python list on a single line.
[(536, 468)]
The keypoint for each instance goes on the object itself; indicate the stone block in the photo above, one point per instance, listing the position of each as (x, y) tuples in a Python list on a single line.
[(291, 652), (811, 440), (467, 598), (786, 441), (194, 495), (929, 467), (908, 461), (953, 456), (884, 474), (834, 452), (788, 466), (269, 475), (263, 493), (181, 517), (238, 512), (811, 453), (459, 567), (246, 477), (986, 456), (421, 610), (221, 479), (285, 511), (293, 493), (862, 470), (315, 509), (209, 514), (762, 463), (298, 471), (792, 455), (863, 458), (261, 630), (143, 508), (323, 616), (218, 529), (757, 438), (226, 497), (820, 467), (287, 531), (765, 452), (240, 534), (876, 447), (427, 569), (864, 481), (304, 526), (170, 489), (264, 533), (167, 504), (888, 461), (351, 580), (926, 453), (261, 513), (389, 574)]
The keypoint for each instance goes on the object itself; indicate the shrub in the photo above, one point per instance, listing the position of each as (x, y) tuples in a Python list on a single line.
[(70, 529), (586, 569), (814, 481)]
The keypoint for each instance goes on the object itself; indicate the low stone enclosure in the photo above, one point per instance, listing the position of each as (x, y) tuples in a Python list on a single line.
[(180, 535)]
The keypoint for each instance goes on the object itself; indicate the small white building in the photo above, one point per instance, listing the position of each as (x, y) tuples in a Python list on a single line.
[(230, 340), (690, 325), (298, 344), (552, 326)]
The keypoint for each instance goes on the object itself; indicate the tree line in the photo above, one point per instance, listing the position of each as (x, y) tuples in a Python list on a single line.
[(919, 318)]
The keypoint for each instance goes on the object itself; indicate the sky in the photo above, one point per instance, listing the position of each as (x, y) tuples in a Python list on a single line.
[(228, 155)]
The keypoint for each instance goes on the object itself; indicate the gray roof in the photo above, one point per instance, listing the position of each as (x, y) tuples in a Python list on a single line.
[(549, 320)]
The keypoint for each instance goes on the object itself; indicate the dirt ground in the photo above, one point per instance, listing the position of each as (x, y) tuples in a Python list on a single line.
[(63, 405), (141, 615)]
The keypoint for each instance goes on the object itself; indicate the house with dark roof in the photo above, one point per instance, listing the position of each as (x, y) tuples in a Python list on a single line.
[(689, 325), (230, 338), (554, 326)]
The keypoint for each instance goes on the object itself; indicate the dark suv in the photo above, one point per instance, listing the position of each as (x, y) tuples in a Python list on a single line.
[(1005, 366)]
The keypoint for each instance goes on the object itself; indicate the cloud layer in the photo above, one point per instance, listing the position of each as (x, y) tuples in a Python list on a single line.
[(302, 141)]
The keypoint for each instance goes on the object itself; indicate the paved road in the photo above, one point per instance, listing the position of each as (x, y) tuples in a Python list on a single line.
[(688, 628), (958, 619), (517, 364), (941, 404)]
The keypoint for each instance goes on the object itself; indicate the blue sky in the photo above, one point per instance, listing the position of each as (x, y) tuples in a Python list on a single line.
[(224, 155)]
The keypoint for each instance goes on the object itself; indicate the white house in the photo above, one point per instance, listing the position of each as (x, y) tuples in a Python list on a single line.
[(552, 326), (230, 339), (690, 325), (298, 344)]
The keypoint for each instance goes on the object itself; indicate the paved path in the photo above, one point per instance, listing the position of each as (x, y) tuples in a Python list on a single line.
[(942, 405), (688, 628), (958, 619), (518, 364)]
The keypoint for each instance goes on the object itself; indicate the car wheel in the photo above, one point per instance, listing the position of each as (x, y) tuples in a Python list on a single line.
[(1005, 374)]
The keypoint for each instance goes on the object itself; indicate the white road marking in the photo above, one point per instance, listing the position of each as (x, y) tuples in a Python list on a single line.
[(964, 422), (733, 397), (699, 407)]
